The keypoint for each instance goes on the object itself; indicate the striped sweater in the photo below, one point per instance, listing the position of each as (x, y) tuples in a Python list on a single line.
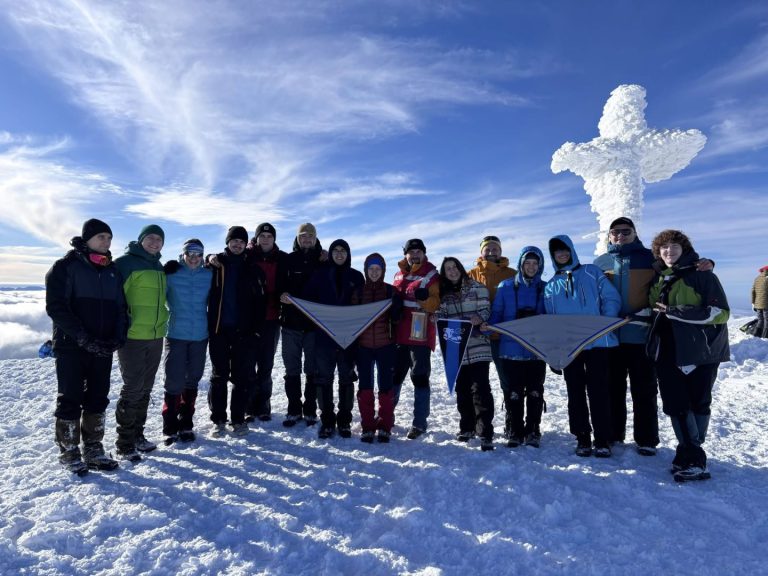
[(470, 301)]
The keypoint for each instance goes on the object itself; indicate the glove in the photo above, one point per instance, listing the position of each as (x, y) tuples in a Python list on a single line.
[(558, 372), (88, 344), (421, 293), (106, 348), (171, 267)]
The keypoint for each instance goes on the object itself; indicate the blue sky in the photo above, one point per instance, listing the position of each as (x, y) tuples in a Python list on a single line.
[(377, 121)]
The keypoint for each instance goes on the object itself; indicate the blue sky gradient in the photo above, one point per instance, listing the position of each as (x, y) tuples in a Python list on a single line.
[(377, 121)]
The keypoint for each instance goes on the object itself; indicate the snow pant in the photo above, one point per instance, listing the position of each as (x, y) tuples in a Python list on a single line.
[(587, 378), (231, 361), (83, 383), (686, 399), (296, 342), (631, 360), (184, 366), (260, 399), (383, 359), (761, 330), (474, 399), (139, 361), (417, 360), (328, 358), (498, 362), (69, 433), (526, 390)]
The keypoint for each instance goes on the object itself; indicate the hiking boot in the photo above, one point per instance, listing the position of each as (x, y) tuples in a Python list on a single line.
[(186, 436), (646, 450), (264, 417), (326, 432), (602, 450), (129, 454), (101, 462), (367, 436), (219, 429), (291, 419), (171, 439), (487, 445), (692, 473), (414, 433), (310, 420), (250, 418), (514, 441), (583, 445), (240, 429), (345, 432), (533, 439), (144, 445), (465, 435), (383, 436), (72, 461)]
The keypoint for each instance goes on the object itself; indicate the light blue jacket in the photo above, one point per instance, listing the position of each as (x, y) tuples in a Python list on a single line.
[(515, 294), (187, 297), (581, 289)]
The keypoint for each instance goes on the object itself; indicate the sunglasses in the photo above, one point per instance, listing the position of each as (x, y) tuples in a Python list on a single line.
[(621, 231), (193, 254)]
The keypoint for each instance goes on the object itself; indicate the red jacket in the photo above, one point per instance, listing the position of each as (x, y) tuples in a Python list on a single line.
[(380, 333), (407, 281)]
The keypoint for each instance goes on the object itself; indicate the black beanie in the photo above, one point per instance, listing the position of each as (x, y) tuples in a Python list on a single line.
[(266, 227), (92, 227), (623, 220), (237, 233), (414, 244)]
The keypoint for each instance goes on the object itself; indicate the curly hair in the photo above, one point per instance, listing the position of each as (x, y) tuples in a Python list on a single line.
[(670, 237)]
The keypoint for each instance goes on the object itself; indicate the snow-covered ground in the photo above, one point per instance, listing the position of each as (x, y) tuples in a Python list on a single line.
[(282, 502)]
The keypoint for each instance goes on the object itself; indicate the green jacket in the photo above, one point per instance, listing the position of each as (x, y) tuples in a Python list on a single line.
[(144, 286), (697, 312)]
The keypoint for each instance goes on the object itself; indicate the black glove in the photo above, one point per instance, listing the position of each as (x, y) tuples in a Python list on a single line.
[(421, 293), (558, 372), (90, 345), (171, 267), (106, 348)]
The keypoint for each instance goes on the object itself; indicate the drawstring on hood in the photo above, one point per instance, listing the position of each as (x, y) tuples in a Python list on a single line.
[(567, 269)]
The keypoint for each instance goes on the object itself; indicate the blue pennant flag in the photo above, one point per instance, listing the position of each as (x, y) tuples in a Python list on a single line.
[(454, 337)]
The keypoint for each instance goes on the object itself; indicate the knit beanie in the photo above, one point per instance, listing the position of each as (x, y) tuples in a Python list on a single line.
[(414, 244), (237, 233), (490, 240), (266, 227), (151, 229), (93, 227), (193, 246)]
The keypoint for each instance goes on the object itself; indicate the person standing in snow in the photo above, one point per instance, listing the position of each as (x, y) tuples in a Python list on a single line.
[(688, 340), (376, 348), (521, 297), (418, 284), (236, 311), (144, 286), (84, 298), (189, 283), (583, 289), (463, 298), (760, 302), (490, 270), (335, 283), (629, 266)]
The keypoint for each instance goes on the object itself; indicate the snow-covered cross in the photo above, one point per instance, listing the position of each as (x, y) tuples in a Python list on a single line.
[(627, 153)]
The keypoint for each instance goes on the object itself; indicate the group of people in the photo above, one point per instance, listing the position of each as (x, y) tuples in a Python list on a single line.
[(239, 303)]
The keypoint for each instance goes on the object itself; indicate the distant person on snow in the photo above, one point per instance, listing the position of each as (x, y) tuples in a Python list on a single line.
[(84, 298), (760, 302), (688, 340)]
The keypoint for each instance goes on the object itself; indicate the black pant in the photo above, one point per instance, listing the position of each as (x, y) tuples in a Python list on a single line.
[(231, 361), (260, 388), (631, 360), (474, 399), (329, 358), (83, 383), (525, 388), (587, 378)]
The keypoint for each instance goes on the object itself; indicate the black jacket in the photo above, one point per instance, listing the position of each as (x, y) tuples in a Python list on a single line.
[(84, 299), (300, 266), (249, 295)]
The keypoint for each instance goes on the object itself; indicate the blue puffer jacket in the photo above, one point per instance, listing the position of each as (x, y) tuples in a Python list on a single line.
[(581, 289), (514, 294), (187, 297)]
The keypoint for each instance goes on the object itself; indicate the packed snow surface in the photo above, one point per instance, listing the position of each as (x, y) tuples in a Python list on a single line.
[(280, 501)]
